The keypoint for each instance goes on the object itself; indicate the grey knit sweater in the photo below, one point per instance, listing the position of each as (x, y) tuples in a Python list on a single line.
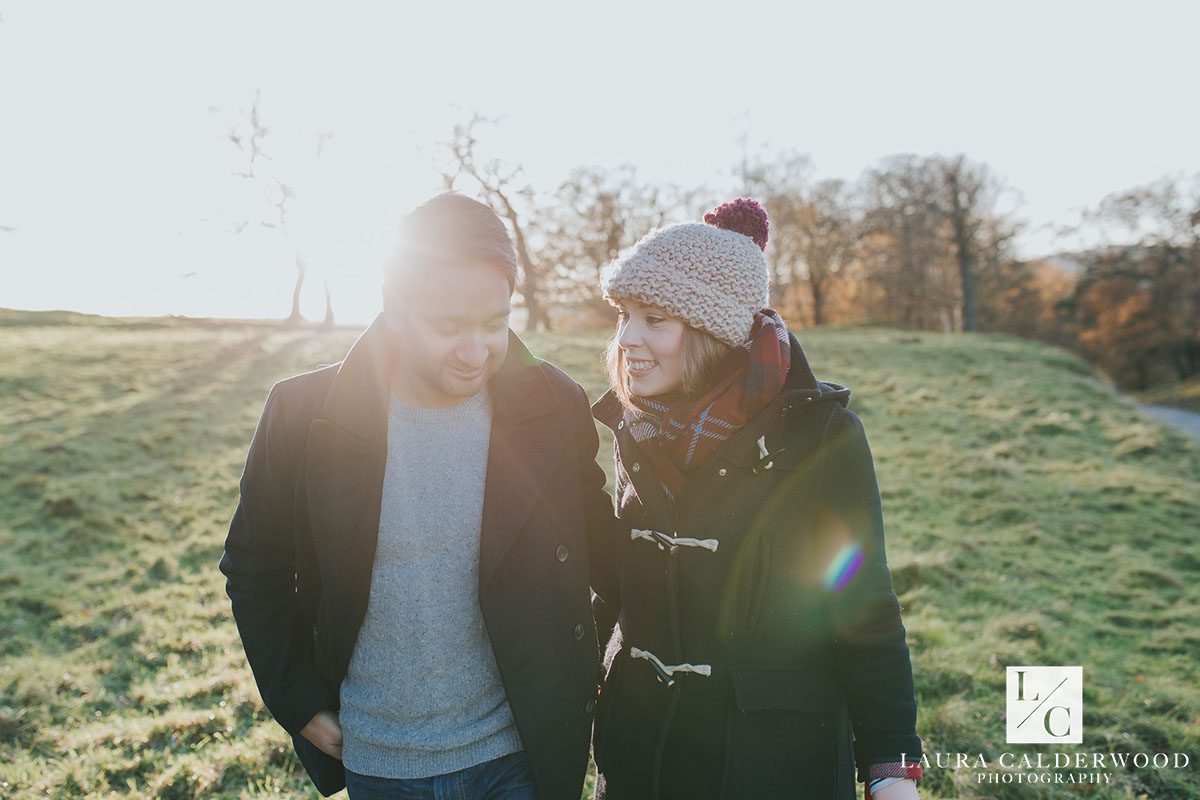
[(422, 695)]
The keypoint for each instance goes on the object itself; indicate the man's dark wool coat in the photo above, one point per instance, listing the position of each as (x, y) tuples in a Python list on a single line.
[(300, 549), (810, 671)]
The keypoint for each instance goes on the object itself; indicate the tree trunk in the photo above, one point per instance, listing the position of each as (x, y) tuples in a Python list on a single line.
[(818, 299), (296, 317), (328, 322), (966, 271), (960, 214), (529, 283)]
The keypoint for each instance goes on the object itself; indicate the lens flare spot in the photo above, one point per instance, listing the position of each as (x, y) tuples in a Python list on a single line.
[(844, 567)]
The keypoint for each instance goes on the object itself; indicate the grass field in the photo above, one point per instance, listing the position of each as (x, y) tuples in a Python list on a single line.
[(1034, 517)]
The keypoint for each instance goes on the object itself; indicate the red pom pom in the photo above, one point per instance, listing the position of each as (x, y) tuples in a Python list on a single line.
[(744, 216)]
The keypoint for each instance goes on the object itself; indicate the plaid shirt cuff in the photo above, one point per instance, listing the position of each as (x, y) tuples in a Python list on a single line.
[(884, 773), (896, 769)]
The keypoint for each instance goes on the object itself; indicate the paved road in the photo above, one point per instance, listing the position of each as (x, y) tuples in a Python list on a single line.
[(1179, 417)]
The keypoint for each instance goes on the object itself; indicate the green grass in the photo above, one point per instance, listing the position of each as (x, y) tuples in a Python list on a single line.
[(1033, 517)]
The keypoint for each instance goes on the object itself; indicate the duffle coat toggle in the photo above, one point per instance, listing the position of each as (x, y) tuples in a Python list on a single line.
[(766, 459), (666, 672), (665, 541)]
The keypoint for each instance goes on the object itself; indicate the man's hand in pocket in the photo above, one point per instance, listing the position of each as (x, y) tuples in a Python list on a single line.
[(325, 731)]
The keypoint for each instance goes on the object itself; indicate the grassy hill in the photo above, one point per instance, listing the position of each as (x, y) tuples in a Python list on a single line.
[(1034, 517)]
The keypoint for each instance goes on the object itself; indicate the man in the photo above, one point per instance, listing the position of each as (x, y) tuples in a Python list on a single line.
[(409, 562)]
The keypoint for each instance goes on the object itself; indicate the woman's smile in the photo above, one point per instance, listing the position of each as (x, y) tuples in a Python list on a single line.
[(639, 367)]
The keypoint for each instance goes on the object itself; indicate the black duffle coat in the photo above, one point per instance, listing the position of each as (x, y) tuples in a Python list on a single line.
[(301, 547), (770, 580)]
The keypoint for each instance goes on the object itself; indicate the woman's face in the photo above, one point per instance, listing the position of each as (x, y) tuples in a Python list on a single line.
[(651, 343)]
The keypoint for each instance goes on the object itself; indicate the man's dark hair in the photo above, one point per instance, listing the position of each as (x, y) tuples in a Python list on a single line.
[(453, 228)]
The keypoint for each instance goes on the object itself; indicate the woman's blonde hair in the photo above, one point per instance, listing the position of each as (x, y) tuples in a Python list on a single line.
[(702, 355)]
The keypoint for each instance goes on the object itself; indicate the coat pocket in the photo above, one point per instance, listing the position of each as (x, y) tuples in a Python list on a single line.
[(782, 737)]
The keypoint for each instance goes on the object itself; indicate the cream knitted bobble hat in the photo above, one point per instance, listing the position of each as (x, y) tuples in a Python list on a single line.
[(712, 275)]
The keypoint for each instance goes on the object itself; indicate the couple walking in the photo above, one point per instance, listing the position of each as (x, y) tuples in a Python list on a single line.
[(439, 599)]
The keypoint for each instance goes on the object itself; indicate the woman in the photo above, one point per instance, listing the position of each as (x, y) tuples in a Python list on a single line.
[(758, 627)]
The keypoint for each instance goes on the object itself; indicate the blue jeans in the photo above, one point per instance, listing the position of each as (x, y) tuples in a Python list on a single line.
[(504, 778)]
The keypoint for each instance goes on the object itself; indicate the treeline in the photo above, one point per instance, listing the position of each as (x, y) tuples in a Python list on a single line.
[(917, 242)]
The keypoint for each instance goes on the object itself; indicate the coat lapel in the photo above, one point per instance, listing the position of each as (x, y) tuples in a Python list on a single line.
[(344, 469), (347, 460), (527, 435), (644, 478), (646, 483)]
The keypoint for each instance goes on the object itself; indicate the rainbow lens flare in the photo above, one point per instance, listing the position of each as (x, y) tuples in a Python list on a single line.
[(844, 567)]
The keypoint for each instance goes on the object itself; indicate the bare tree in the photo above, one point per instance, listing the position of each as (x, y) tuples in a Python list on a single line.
[(814, 230), (295, 318), (502, 189), (967, 200), (1137, 305), (276, 192), (595, 214), (1166, 211), (904, 244), (932, 225), (782, 184), (251, 143), (831, 240), (328, 321), (1012, 295)]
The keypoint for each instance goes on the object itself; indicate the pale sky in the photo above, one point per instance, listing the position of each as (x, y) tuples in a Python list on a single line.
[(117, 186)]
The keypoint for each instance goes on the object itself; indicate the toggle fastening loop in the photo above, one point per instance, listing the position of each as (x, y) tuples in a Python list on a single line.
[(665, 672), (672, 542)]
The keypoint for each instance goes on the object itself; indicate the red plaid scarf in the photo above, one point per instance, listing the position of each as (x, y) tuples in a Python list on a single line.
[(679, 435)]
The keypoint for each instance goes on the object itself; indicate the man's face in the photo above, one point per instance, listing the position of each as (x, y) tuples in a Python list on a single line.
[(451, 326)]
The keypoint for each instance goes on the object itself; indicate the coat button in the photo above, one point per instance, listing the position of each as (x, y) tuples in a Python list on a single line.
[(579, 632), (722, 472), (589, 705), (561, 552), (636, 466)]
